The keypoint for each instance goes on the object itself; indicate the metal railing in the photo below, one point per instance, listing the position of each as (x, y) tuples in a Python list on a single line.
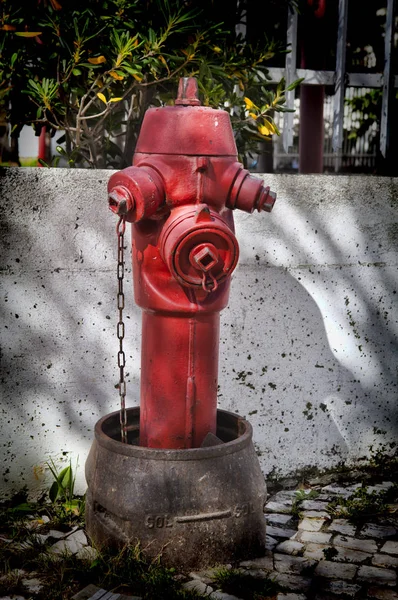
[(341, 80)]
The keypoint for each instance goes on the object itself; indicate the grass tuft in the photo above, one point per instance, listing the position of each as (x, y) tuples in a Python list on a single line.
[(245, 586)]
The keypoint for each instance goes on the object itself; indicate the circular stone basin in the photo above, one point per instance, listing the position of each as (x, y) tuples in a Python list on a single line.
[(196, 508)]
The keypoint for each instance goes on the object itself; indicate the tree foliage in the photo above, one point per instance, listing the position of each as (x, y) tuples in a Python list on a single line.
[(91, 70)]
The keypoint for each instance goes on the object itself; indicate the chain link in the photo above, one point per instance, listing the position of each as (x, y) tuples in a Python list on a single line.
[(121, 357)]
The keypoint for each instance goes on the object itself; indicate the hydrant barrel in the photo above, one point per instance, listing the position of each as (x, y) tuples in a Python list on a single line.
[(178, 395)]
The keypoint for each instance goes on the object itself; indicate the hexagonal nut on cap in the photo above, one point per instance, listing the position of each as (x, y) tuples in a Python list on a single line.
[(267, 200), (120, 200)]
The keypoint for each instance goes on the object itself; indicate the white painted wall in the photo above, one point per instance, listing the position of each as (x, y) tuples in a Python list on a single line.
[(308, 342)]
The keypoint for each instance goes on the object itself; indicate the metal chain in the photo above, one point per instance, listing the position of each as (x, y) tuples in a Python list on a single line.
[(121, 357)]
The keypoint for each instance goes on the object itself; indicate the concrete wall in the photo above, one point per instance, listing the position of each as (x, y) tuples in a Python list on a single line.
[(308, 342)]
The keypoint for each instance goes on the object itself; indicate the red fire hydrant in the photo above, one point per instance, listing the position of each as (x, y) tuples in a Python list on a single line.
[(179, 197)]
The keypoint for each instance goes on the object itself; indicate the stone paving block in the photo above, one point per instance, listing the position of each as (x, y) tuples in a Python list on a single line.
[(316, 551), (323, 497), (294, 583), (78, 536), (385, 560), (313, 505), (283, 499), (72, 544), (222, 596), (342, 526), (270, 542), (355, 544), (377, 575), (285, 496), (290, 547), (380, 487), (258, 573), (351, 556), (336, 490), (317, 537), (196, 585), (33, 585), (311, 524), (278, 507), (377, 531), (278, 519), (341, 588), (382, 593), (313, 514), (91, 592), (207, 575), (264, 562), (284, 563), (390, 547), (332, 570), (278, 532), (282, 596)]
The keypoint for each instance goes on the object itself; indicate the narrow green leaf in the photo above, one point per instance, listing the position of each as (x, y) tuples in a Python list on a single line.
[(65, 477), (54, 492), (281, 85), (90, 66), (293, 85)]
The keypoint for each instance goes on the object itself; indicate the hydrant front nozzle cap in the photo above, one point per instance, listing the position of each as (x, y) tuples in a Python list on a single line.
[(188, 93)]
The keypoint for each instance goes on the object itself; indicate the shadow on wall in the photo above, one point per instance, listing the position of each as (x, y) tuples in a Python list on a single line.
[(307, 349), (58, 364), (313, 326)]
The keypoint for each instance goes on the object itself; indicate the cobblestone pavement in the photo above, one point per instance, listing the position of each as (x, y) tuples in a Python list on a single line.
[(309, 553), (324, 558)]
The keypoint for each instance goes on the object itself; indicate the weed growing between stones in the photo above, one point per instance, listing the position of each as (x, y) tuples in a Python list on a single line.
[(63, 575), (365, 503), (300, 496), (243, 585), (62, 492), (128, 571), (383, 462), (330, 553), (11, 583)]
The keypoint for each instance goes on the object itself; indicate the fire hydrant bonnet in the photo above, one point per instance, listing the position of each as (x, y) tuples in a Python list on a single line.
[(186, 130)]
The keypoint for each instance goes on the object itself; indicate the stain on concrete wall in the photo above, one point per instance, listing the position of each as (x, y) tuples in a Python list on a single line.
[(308, 342)]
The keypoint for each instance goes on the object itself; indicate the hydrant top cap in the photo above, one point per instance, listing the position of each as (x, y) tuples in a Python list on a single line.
[(186, 130)]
